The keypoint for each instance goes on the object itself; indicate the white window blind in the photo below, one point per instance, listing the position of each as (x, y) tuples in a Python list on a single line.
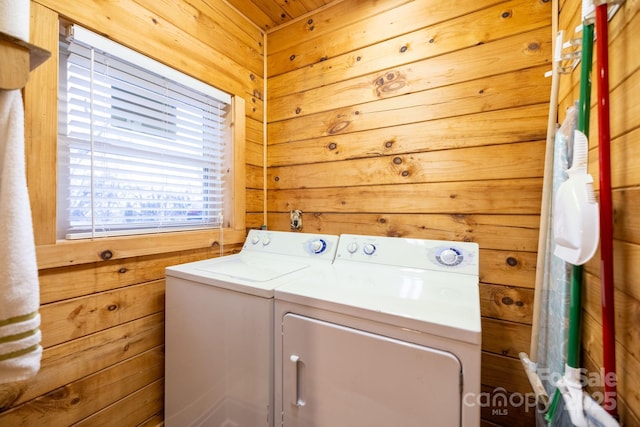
[(137, 151)]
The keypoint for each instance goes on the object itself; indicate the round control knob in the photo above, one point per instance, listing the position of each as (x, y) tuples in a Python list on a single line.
[(255, 239), (352, 247), (369, 248), (449, 257), (318, 246), (266, 240)]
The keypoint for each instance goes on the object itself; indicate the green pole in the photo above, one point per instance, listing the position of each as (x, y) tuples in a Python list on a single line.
[(575, 292)]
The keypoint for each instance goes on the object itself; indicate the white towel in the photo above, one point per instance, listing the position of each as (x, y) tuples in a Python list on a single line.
[(20, 350)]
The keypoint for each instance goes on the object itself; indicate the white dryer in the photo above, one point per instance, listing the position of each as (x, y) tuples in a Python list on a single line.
[(219, 329), (388, 335)]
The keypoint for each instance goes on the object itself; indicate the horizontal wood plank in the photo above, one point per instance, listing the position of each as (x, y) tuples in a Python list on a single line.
[(463, 31), (73, 402), (223, 33), (505, 372), (308, 41), (75, 252), (164, 41), (627, 314), (68, 362), (254, 177), (503, 91), (517, 196), (506, 302), (491, 162), (74, 281), (70, 319), (501, 232), (134, 408), (255, 201), (626, 267), (491, 127), (526, 51), (505, 338), (509, 268)]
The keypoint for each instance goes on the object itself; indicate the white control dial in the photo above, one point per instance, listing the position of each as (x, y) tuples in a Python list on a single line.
[(369, 248), (450, 256), (352, 247), (266, 240), (255, 239), (318, 246)]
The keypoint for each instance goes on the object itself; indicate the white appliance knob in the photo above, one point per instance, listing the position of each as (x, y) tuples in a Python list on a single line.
[(369, 248), (318, 246), (352, 247), (255, 239), (449, 256), (266, 240)]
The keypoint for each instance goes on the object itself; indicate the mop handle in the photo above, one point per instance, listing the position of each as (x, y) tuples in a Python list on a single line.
[(606, 209)]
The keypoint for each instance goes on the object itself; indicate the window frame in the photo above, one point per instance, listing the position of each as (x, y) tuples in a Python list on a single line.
[(40, 98), (121, 71)]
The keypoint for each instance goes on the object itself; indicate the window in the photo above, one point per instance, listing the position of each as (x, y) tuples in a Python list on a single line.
[(141, 147)]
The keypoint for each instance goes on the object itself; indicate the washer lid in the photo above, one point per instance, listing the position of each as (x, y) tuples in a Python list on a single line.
[(444, 304), (255, 274), (251, 269)]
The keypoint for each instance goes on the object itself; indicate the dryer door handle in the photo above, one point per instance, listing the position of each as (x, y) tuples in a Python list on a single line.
[(297, 365)]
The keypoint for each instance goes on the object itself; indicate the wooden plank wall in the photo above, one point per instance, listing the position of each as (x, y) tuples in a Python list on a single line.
[(102, 322), (624, 82), (421, 119)]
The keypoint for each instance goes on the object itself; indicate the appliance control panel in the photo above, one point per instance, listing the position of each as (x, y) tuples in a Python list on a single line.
[(291, 243), (439, 255)]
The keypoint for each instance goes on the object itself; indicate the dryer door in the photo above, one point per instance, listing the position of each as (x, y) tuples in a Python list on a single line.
[(339, 376)]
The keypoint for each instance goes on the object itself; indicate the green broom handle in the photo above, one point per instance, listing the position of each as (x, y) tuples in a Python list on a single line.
[(573, 351), (575, 309), (584, 107)]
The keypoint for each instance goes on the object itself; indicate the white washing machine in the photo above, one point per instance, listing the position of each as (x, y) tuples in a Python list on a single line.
[(388, 335), (219, 329)]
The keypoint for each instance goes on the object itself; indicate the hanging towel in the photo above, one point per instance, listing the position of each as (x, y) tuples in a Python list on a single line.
[(20, 350)]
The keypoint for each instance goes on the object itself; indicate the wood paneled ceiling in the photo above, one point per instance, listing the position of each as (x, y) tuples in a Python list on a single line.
[(268, 14)]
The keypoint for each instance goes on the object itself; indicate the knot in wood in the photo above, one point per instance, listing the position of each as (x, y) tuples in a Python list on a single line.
[(106, 255), (298, 110), (339, 127), (292, 57), (507, 14), (397, 160), (403, 49), (332, 146), (391, 82), (512, 261)]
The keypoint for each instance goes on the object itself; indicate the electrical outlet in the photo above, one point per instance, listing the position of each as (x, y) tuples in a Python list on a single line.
[(296, 219)]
